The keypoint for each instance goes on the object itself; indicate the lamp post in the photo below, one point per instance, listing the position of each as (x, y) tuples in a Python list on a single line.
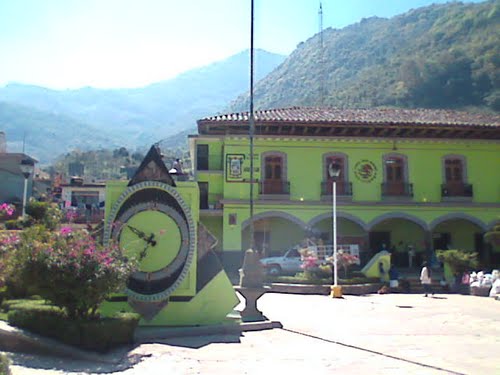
[(27, 166), (334, 173)]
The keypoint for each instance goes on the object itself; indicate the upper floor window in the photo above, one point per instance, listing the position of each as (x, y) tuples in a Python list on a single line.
[(332, 163), (202, 157), (455, 177), (396, 176), (274, 173)]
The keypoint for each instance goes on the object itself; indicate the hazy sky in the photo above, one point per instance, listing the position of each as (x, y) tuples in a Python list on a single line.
[(130, 43)]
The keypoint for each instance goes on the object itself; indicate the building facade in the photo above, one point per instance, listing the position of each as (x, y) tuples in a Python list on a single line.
[(411, 181)]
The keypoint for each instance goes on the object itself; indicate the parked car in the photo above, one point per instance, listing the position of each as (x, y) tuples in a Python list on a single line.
[(288, 264)]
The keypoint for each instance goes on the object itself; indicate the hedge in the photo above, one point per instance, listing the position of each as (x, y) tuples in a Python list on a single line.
[(99, 335), (4, 365)]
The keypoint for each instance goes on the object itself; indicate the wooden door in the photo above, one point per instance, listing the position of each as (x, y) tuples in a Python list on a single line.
[(394, 174), (454, 177), (273, 178), (339, 163)]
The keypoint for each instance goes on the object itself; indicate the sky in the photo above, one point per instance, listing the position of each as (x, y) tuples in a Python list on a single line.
[(68, 44)]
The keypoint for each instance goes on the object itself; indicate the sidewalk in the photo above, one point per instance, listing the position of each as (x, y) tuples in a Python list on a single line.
[(375, 334)]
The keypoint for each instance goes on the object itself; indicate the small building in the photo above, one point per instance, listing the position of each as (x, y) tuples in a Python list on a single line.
[(410, 181), (85, 201), (12, 178)]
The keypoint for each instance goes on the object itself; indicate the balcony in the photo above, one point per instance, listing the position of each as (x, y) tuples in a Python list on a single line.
[(456, 191), (209, 163), (274, 189), (343, 190), (398, 190)]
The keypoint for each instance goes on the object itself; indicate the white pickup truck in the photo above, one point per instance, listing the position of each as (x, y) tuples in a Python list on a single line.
[(288, 264), (291, 262)]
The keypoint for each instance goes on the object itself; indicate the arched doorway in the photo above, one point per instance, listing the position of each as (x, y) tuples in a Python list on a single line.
[(274, 232), (404, 236), (458, 231)]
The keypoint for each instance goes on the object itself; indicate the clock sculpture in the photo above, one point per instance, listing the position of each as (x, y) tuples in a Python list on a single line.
[(154, 219)]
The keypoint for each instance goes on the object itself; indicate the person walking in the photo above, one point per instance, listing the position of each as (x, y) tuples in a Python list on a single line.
[(426, 279)]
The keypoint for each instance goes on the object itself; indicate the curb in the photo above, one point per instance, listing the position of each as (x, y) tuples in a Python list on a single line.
[(13, 339), (149, 334)]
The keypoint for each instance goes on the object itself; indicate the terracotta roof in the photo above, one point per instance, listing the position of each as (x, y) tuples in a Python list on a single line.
[(375, 116), (376, 122)]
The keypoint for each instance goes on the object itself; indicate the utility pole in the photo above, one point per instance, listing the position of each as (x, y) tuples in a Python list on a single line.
[(251, 123)]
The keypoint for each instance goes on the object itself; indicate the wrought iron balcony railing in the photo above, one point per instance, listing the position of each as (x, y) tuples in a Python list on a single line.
[(397, 189), (456, 190), (342, 188), (274, 187)]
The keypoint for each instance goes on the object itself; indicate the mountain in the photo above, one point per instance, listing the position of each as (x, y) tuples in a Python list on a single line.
[(47, 135), (440, 56), (145, 115)]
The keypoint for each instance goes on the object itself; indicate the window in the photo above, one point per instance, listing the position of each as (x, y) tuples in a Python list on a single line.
[(202, 157), (339, 162), (455, 177), (396, 176), (274, 178)]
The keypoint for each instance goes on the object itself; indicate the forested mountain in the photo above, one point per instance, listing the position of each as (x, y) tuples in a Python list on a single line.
[(440, 56), (134, 117), (48, 135)]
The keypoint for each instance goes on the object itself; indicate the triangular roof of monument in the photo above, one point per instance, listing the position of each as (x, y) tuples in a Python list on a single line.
[(152, 168)]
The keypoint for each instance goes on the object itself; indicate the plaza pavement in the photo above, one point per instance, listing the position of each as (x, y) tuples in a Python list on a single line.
[(374, 334)]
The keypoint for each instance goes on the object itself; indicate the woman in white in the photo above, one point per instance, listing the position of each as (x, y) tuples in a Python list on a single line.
[(426, 279)]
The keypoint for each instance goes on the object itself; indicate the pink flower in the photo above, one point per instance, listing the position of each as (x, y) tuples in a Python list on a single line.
[(66, 230)]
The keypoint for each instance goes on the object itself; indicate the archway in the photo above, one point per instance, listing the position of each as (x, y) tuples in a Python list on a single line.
[(274, 232), (403, 235)]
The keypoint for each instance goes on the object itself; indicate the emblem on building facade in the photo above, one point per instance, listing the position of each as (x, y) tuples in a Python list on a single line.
[(365, 170)]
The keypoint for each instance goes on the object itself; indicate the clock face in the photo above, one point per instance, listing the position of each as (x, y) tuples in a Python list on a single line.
[(152, 224)]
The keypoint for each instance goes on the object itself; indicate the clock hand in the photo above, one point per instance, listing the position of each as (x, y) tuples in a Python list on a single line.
[(138, 232)]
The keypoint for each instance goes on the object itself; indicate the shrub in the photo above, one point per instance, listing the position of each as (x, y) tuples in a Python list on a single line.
[(13, 224), (70, 269), (459, 260), (4, 365), (44, 213), (98, 334)]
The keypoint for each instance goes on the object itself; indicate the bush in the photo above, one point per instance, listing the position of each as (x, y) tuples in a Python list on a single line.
[(459, 261), (98, 334), (44, 213), (4, 365), (13, 224), (69, 269)]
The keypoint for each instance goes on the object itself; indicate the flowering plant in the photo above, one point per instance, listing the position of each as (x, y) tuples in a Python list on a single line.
[(344, 260), (8, 241), (71, 269), (7, 210)]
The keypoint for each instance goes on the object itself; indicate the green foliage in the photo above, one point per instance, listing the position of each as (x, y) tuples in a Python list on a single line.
[(69, 268), (51, 321), (493, 236), (13, 224), (440, 56), (43, 213), (4, 365), (459, 260)]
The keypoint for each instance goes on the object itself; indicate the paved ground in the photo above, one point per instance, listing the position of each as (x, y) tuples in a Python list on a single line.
[(376, 334)]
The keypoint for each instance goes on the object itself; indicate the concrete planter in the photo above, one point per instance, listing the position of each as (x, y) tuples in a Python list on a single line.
[(356, 290)]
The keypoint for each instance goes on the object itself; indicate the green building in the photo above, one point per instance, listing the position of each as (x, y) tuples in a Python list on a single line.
[(410, 180)]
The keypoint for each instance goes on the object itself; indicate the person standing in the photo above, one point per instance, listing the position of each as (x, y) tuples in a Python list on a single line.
[(426, 279)]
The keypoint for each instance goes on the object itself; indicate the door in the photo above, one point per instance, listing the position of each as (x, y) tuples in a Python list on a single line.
[(262, 240), (273, 177), (203, 195), (440, 241), (394, 176), (379, 241), (337, 162), (454, 177)]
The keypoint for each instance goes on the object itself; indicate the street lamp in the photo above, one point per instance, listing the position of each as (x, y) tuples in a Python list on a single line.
[(27, 166), (334, 173)]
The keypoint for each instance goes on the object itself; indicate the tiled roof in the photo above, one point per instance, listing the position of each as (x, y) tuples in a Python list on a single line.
[(375, 116)]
